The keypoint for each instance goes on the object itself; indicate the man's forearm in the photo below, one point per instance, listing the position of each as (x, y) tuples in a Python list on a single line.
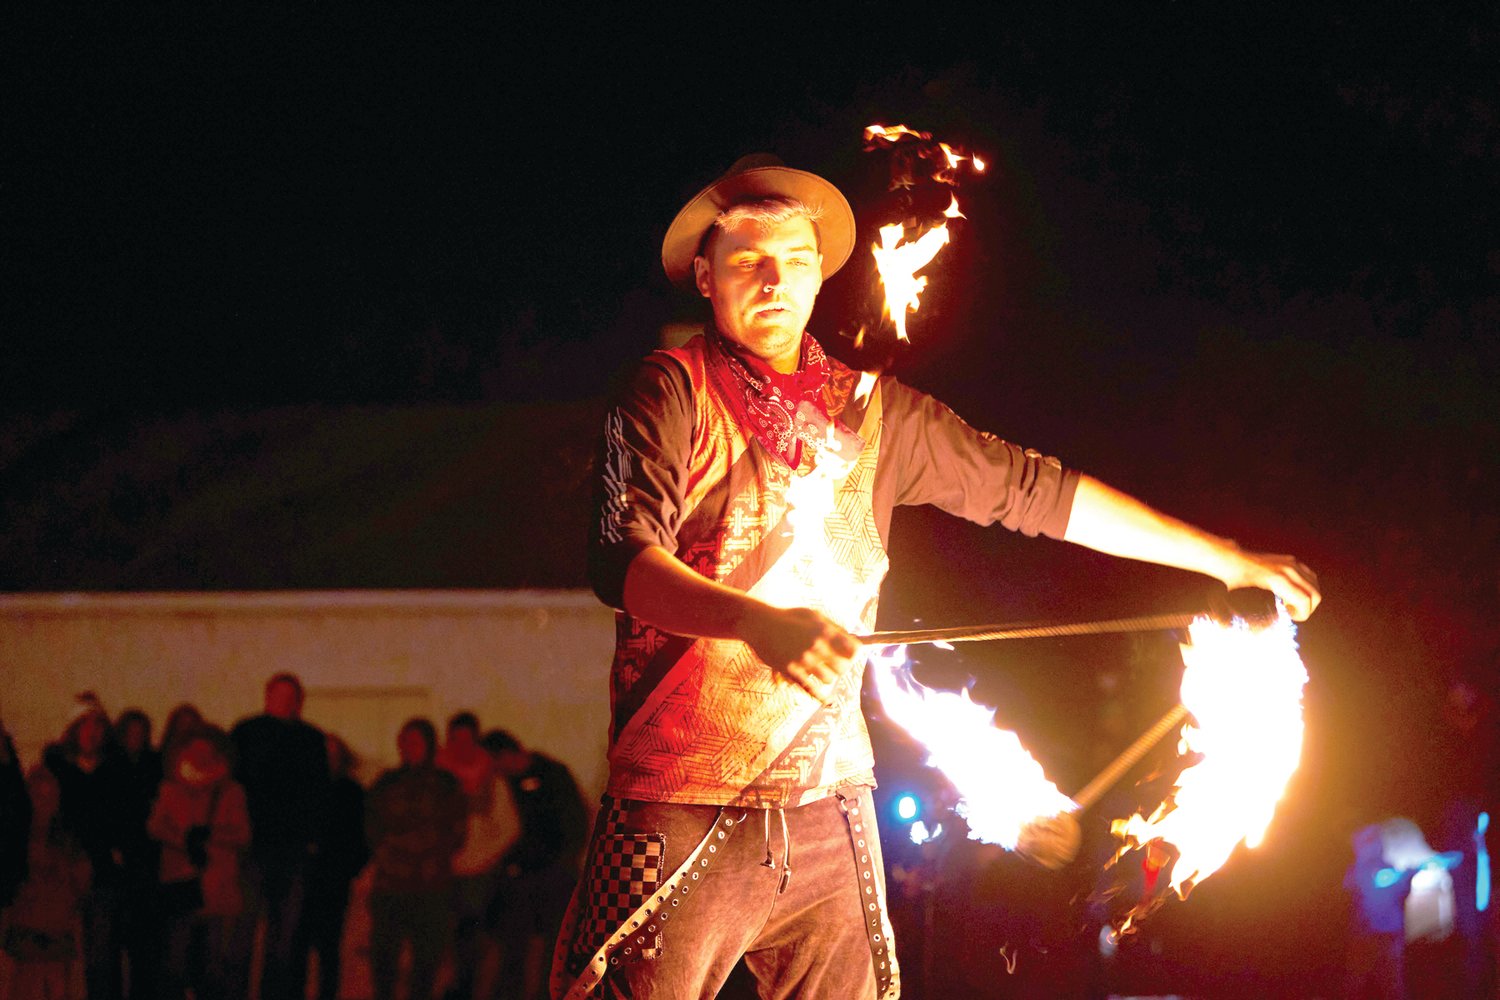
[(1106, 520), (801, 643), (665, 591)]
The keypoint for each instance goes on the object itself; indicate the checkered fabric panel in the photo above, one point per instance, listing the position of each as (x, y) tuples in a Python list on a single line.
[(625, 870)]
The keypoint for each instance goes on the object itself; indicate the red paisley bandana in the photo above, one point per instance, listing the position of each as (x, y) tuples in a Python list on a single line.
[(785, 412)]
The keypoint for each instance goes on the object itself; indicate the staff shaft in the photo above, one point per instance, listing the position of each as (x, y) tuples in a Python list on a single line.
[(1131, 756), (980, 633)]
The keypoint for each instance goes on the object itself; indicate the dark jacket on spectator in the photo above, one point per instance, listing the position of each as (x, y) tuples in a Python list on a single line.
[(283, 766), (554, 823), (87, 812), (15, 821), (132, 783), (415, 820)]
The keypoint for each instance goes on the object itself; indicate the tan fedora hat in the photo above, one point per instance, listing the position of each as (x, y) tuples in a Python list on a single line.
[(759, 175)]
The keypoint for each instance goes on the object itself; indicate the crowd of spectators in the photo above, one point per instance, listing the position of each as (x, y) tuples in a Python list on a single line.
[(214, 863)]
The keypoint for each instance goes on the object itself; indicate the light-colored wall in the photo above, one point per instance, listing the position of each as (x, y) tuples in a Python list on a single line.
[(533, 662)]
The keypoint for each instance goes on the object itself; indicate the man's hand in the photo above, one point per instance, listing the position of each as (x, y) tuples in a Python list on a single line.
[(1284, 576), (802, 645)]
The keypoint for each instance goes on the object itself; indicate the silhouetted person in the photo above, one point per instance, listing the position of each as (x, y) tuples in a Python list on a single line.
[(283, 767), (414, 823), (86, 810), (1375, 966), (340, 858), (1465, 750), (202, 823), (15, 820), (132, 773), (490, 829), (1387, 857), (539, 872), (41, 926)]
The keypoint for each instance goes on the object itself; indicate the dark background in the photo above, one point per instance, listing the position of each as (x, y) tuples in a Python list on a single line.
[(332, 297)]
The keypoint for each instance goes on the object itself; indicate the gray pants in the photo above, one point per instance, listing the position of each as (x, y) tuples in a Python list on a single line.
[(806, 924)]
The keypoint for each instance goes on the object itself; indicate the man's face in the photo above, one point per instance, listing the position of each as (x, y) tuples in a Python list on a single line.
[(412, 746), (762, 284), (511, 762), (135, 737), (283, 700), (91, 734)]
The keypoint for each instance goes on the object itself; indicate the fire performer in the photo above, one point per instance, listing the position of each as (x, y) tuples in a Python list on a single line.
[(747, 486)]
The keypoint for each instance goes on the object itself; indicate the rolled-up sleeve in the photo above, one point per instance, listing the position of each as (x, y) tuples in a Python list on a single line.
[(936, 458), (648, 436)]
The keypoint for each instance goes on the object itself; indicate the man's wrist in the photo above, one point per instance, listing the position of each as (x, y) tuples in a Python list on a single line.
[(750, 619), (1232, 566)]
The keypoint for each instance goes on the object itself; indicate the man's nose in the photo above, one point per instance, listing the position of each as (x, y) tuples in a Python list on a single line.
[(771, 273)]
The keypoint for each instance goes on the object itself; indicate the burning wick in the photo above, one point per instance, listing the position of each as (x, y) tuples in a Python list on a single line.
[(897, 260), (1242, 689)]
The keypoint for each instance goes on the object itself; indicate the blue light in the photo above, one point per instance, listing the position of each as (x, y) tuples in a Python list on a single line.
[(1386, 877), (907, 807), (1482, 881)]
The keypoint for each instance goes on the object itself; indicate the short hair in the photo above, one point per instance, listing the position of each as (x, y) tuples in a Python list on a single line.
[(134, 715), (424, 727), (500, 741), (182, 722), (464, 720), (764, 213), (286, 677)]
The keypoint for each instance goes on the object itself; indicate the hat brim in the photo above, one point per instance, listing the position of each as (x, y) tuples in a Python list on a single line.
[(835, 218)]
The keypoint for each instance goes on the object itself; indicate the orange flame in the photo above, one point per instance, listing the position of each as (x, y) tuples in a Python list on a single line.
[(898, 264), (1001, 787), (1243, 686), (892, 133), (897, 260)]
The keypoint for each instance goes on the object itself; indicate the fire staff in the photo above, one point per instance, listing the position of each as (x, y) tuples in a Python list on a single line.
[(745, 496)]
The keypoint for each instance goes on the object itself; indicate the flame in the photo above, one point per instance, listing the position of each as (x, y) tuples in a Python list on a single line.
[(1243, 686), (812, 496), (892, 133), (898, 264), (896, 261), (1001, 786)]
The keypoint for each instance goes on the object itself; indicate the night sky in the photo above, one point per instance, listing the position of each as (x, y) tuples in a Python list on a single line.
[(1242, 264)]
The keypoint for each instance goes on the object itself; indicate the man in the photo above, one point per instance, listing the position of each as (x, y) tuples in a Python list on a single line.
[(747, 489), (538, 872), (283, 765), (87, 804), (414, 824), (492, 827)]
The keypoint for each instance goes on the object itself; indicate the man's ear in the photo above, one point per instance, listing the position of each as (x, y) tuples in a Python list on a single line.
[(701, 275)]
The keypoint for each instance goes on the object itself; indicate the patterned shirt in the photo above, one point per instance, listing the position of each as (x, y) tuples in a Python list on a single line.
[(704, 720)]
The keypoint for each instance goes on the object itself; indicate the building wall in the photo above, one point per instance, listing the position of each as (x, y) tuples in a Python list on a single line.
[(533, 662)]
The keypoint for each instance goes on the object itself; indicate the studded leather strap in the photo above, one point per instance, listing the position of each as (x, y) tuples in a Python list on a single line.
[(872, 893), (638, 929)]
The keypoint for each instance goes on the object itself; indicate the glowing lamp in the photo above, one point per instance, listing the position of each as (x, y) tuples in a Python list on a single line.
[(1482, 880), (907, 807)]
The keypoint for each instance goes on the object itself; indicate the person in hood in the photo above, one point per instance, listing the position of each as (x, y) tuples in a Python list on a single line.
[(202, 824)]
